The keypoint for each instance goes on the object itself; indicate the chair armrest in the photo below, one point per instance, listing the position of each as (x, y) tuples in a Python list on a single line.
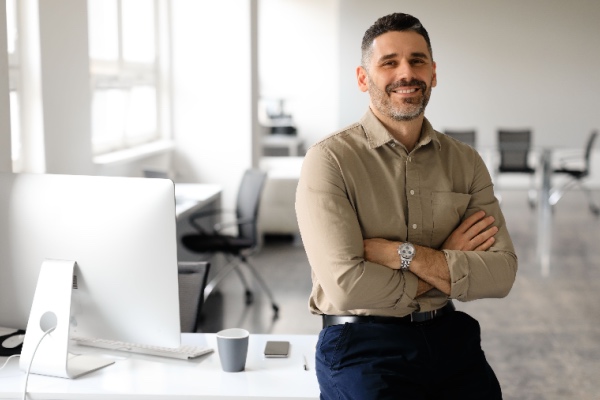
[(204, 214), (576, 159)]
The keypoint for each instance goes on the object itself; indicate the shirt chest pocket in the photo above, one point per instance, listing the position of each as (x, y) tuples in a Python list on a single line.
[(448, 209)]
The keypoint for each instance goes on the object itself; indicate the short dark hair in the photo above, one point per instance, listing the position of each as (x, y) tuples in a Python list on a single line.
[(389, 23)]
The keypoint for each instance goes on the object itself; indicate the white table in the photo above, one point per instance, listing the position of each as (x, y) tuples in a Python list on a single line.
[(190, 197), (290, 142), (278, 215), (135, 377)]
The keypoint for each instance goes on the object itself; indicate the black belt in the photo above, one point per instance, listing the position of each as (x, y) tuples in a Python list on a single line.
[(329, 320)]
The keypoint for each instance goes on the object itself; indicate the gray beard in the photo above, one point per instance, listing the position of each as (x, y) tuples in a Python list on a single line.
[(413, 107)]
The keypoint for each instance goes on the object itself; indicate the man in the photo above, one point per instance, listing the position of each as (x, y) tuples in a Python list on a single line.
[(398, 220)]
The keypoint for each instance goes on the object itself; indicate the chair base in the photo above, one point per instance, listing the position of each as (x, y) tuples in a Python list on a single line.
[(234, 264), (557, 193)]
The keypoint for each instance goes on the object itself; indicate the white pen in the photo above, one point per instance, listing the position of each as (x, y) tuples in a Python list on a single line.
[(305, 365)]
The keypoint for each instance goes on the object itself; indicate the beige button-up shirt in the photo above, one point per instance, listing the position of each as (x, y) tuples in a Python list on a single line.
[(360, 183)]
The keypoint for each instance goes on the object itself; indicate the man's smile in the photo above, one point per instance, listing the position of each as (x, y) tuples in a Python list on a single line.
[(405, 87), (405, 91)]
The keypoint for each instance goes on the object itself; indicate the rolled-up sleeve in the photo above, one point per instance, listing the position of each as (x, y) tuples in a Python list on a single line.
[(483, 274), (342, 280)]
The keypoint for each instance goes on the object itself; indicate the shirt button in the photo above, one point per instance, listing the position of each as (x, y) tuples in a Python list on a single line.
[(393, 144), (414, 226), (412, 192)]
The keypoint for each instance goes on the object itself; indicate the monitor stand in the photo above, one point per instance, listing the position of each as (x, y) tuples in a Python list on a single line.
[(51, 312)]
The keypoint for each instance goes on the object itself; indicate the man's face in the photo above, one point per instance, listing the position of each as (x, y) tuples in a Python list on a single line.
[(400, 75)]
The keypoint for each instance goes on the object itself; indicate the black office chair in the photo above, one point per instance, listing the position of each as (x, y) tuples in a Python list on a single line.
[(576, 169), (514, 147), (466, 136), (192, 281), (236, 248)]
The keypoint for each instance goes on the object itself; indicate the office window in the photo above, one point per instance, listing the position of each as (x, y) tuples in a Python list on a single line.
[(124, 61), (13, 81), (11, 25), (15, 129)]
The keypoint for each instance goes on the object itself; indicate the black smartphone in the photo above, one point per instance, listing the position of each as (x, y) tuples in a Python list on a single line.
[(277, 348)]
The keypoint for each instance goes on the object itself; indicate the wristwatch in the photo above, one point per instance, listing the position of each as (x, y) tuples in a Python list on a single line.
[(406, 251)]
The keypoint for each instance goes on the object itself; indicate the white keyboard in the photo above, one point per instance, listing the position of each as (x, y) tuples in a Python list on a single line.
[(182, 352)]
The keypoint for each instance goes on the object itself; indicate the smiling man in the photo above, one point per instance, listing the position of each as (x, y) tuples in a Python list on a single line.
[(398, 220)]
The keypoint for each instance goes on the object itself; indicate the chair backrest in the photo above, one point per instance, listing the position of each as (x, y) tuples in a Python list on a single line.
[(514, 147), (588, 149), (248, 202), (192, 281), (467, 136)]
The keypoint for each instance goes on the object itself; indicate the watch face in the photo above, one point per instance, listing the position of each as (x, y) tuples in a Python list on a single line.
[(407, 250)]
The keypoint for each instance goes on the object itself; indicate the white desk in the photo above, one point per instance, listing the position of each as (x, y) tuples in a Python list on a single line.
[(194, 196), (278, 214), (290, 142), (135, 377)]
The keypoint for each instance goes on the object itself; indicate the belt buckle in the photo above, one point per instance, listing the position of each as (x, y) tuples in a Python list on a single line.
[(422, 316)]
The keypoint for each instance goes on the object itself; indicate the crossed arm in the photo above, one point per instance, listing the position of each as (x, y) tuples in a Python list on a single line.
[(475, 233)]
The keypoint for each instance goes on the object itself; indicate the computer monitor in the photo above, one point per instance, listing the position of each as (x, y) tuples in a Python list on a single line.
[(120, 232)]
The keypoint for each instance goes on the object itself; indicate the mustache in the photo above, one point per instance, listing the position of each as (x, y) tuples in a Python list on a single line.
[(401, 83)]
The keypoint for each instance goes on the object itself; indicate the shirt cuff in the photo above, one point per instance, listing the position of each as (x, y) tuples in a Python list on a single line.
[(411, 282), (459, 273)]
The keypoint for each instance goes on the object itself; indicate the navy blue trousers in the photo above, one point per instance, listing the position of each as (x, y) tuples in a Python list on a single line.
[(437, 359)]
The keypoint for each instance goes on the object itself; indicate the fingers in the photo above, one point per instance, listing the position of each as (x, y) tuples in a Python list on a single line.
[(485, 239), (475, 224), (475, 233), (480, 226), (486, 245), (470, 221)]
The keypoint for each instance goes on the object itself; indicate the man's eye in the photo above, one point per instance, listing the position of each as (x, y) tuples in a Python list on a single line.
[(417, 62)]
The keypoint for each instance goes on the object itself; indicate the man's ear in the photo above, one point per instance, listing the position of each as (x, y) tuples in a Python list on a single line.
[(361, 77)]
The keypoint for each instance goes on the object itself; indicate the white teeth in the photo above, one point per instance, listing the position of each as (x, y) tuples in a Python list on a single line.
[(405, 91)]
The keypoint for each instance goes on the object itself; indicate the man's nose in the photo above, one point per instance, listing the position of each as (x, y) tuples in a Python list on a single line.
[(405, 71)]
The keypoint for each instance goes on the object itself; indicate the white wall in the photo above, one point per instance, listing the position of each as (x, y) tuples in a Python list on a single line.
[(66, 92), (5, 157), (298, 61), (508, 63), (212, 92)]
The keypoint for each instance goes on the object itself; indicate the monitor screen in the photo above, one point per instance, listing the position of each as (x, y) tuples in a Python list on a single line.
[(121, 232)]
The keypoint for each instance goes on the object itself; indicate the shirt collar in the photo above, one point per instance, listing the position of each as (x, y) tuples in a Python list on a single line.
[(378, 135)]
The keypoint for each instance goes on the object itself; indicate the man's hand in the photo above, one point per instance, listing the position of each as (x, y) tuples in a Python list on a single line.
[(472, 234)]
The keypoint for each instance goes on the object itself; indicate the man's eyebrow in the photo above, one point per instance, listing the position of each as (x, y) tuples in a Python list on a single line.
[(419, 54), (416, 54), (388, 57)]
